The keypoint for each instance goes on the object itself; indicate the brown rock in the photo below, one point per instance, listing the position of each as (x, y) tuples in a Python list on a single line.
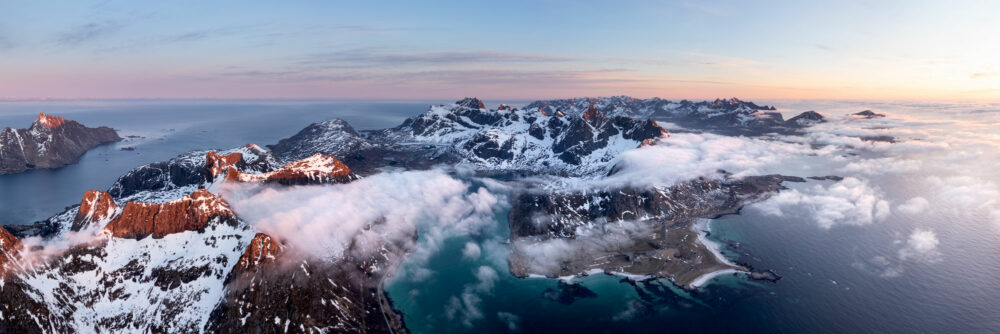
[(216, 163), (96, 206), (262, 250), (192, 212), (50, 121), (10, 246), (592, 113)]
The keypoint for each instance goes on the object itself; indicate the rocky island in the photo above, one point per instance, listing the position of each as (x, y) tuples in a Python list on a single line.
[(49, 142)]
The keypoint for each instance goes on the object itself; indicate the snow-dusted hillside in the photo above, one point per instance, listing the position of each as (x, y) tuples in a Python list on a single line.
[(173, 257)]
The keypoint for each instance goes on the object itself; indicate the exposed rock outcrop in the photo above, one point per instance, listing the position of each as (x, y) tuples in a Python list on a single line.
[(263, 249), (192, 212), (96, 208), (10, 246)]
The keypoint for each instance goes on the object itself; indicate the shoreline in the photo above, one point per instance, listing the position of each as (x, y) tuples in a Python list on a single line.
[(702, 226)]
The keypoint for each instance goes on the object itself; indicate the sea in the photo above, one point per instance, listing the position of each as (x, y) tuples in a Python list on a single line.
[(927, 266)]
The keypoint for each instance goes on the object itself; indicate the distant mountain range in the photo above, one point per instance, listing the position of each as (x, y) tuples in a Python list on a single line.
[(173, 256)]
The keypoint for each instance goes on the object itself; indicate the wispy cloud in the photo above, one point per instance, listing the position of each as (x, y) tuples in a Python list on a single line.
[(88, 32), (380, 57)]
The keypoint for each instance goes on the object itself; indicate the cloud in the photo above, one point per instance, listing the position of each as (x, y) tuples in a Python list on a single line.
[(881, 166), (851, 201), (324, 221), (633, 309), (685, 156), (882, 266), (88, 32), (921, 246), (466, 307), (965, 191), (381, 57), (471, 251), (512, 321), (547, 256), (914, 206)]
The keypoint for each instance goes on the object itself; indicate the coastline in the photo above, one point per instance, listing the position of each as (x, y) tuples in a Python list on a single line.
[(702, 226)]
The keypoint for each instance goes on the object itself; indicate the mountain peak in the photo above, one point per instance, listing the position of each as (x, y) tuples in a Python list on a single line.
[(9, 246), (216, 163), (263, 249), (592, 113), (96, 206), (868, 114), (49, 121), (472, 103)]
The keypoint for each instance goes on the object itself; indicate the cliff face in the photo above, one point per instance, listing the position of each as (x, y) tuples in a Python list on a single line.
[(190, 213), (9, 247), (263, 249), (96, 208), (50, 142)]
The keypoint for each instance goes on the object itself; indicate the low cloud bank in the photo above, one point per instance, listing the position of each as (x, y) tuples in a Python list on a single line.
[(851, 201), (324, 221)]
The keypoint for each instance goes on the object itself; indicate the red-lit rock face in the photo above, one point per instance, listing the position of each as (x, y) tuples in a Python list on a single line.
[(263, 249), (192, 212), (542, 111), (592, 113), (216, 163), (96, 206), (317, 169), (9, 247), (50, 122)]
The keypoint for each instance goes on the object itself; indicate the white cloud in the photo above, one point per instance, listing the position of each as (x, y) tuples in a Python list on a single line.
[(686, 156), (471, 251), (324, 220), (922, 246), (881, 166), (512, 321), (851, 201), (466, 307), (914, 206)]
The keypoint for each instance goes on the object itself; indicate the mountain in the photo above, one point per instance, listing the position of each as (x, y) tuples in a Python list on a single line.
[(724, 116), (50, 142), (162, 251), (490, 141), (181, 260)]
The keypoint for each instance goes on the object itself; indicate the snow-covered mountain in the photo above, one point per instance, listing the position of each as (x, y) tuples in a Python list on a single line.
[(731, 117), (173, 257), (162, 251), (560, 137), (493, 141), (50, 142)]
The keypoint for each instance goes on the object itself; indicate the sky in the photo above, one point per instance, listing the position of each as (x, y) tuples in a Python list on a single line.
[(887, 50)]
